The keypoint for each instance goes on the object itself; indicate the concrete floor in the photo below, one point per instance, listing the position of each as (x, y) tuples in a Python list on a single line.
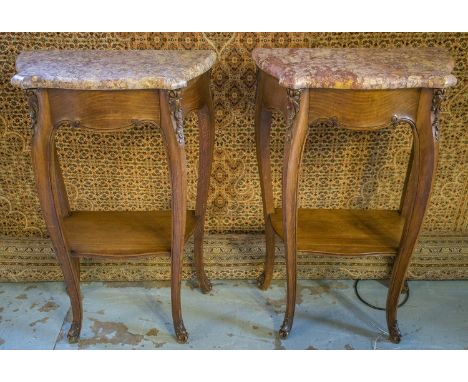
[(236, 315)]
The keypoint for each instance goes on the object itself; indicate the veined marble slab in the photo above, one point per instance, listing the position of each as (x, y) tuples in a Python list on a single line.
[(110, 70), (358, 68)]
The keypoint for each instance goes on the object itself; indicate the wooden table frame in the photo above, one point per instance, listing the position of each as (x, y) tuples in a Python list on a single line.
[(118, 110), (361, 110)]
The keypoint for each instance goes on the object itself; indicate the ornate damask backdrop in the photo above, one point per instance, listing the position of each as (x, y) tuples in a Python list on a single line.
[(342, 169)]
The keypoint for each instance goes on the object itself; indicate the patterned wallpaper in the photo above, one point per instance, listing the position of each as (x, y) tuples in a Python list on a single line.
[(342, 169)]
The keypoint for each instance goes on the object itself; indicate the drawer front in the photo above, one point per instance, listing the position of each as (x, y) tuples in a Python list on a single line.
[(362, 109), (103, 110)]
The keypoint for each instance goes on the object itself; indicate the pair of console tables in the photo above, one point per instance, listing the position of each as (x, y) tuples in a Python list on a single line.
[(358, 89)]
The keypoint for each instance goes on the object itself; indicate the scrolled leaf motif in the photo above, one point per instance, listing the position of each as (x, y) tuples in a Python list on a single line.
[(175, 104), (325, 122), (396, 120), (394, 332), (437, 98), (76, 123), (294, 101), (333, 122), (33, 103)]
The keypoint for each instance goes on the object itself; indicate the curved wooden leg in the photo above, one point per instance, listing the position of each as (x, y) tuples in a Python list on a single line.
[(262, 142), (294, 147), (50, 187), (63, 207), (206, 144), (425, 156), (407, 195), (171, 121), (264, 280)]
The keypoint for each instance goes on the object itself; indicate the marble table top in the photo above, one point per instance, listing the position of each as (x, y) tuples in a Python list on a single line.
[(110, 70), (358, 68)]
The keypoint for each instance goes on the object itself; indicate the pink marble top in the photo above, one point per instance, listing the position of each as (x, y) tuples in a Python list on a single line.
[(358, 68), (110, 70)]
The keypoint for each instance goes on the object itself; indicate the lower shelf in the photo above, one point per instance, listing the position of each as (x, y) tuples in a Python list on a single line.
[(345, 232), (121, 233)]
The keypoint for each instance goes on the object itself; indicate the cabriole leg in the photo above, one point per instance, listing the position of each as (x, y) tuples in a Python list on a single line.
[(262, 142), (206, 144), (296, 134), (172, 128), (53, 202), (425, 148)]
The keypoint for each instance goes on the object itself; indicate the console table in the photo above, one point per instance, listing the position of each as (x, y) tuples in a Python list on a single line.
[(362, 90), (109, 91)]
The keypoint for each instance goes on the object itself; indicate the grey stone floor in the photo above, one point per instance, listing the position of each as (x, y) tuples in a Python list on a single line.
[(236, 315)]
